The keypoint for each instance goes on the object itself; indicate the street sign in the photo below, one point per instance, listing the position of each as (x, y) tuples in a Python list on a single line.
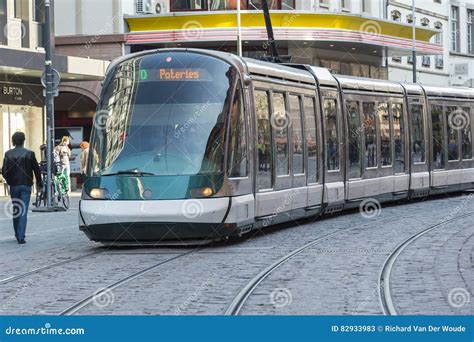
[(56, 79)]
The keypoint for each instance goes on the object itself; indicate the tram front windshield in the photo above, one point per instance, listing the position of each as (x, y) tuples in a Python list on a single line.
[(163, 114)]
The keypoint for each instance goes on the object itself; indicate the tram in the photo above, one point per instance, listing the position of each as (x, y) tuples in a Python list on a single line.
[(196, 145)]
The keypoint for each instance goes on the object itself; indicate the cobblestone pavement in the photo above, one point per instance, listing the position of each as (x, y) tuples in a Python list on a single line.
[(339, 275)]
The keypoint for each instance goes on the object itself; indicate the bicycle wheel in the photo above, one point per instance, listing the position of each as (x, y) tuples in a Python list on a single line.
[(38, 199), (65, 200), (63, 191)]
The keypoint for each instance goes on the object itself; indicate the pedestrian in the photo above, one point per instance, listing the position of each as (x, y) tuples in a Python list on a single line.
[(64, 153), (19, 165), (84, 156)]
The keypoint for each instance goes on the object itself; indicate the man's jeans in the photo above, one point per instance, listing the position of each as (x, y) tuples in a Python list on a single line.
[(20, 195)]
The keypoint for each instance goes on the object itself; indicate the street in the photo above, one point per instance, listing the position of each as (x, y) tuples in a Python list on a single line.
[(333, 266)]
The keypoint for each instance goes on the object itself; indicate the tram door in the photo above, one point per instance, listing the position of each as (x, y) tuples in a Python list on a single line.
[(334, 148), (279, 152), (272, 143), (417, 114)]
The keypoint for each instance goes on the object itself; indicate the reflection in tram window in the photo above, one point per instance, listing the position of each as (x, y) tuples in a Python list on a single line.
[(370, 125), (398, 137), (264, 146), (453, 136), (298, 152), (438, 136), (355, 152), (385, 135), (466, 135), (418, 133), (237, 152), (311, 139), (332, 134), (280, 122)]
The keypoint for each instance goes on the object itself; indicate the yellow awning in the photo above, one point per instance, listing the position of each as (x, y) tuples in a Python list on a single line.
[(280, 19)]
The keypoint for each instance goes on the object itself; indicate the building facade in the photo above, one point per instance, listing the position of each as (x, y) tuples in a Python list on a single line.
[(21, 65), (431, 69), (352, 37), (461, 43)]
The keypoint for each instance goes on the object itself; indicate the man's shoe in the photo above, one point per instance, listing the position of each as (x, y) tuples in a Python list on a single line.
[(22, 242)]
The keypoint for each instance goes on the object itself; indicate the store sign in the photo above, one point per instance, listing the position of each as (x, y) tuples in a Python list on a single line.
[(21, 94)]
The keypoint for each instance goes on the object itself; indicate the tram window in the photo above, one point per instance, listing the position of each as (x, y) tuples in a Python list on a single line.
[(298, 145), (438, 136), (370, 128), (466, 134), (264, 145), (398, 137), (237, 153), (280, 122), (385, 135), (418, 133), (311, 139), (355, 165), (453, 137), (332, 135)]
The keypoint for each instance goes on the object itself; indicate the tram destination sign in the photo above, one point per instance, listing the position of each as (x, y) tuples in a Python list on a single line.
[(21, 94), (171, 74)]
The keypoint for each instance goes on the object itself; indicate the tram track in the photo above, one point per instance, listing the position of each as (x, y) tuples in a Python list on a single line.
[(89, 299), (47, 267), (386, 299), (237, 304)]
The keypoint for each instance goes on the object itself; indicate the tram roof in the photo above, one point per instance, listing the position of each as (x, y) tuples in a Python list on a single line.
[(281, 71), (458, 92), (368, 84)]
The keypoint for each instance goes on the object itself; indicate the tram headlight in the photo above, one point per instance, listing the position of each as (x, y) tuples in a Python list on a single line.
[(98, 193), (202, 192)]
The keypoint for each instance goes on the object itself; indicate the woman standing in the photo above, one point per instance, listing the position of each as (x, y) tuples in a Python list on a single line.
[(64, 153)]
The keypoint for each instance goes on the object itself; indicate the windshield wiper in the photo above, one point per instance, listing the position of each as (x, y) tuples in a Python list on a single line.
[(133, 172)]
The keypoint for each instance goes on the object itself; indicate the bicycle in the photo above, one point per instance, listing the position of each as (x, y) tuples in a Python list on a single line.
[(60, 187)]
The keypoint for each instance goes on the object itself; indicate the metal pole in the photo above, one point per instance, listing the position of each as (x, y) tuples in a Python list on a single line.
[(271, 36), (49, 100), (239, 30), (414, 40)]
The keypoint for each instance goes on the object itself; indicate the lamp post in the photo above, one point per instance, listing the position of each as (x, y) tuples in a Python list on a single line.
[(414, 40), (239, 30), (50, 84)]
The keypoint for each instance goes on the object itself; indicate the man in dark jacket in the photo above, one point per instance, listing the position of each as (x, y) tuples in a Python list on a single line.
[(19, 165)]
